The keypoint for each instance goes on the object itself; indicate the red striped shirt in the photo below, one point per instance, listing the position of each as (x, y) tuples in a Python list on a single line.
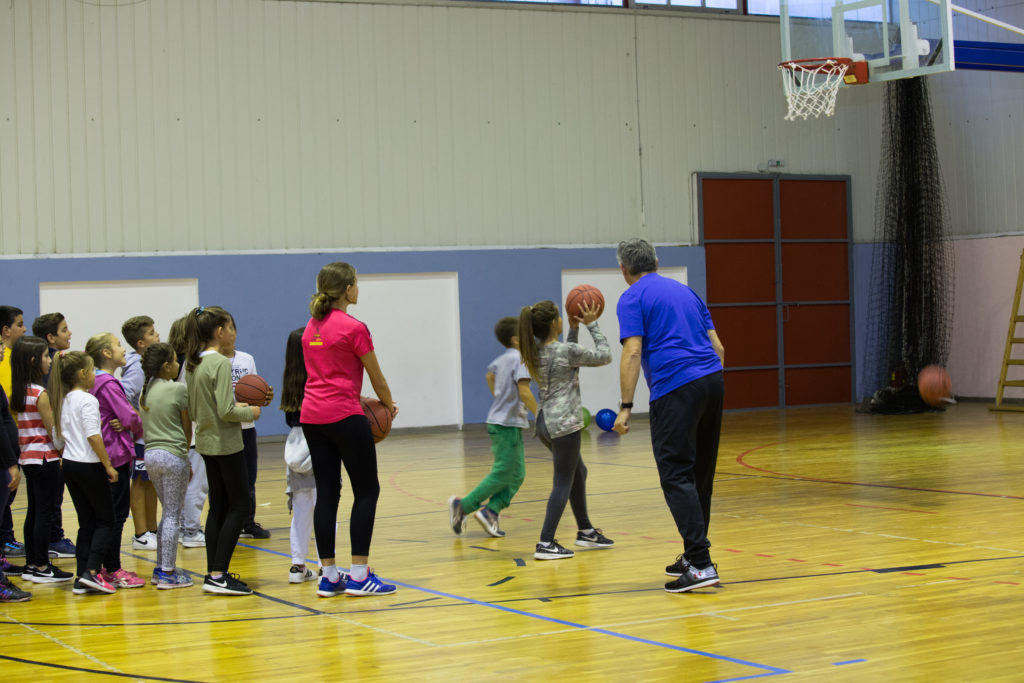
[(36, 445)]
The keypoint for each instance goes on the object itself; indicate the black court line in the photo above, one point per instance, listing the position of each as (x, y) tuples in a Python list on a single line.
[(405, 540), (501, 581), (480, 547), (520, 562), (98, 672), (911, 568), (414, 602)]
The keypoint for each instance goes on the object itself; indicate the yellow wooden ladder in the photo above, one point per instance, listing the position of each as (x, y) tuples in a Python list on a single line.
[(1012, 340)]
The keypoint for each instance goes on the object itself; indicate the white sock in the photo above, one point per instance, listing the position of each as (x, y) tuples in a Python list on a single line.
[(359, 572), (546, 544), (586, 532), (331, 572)]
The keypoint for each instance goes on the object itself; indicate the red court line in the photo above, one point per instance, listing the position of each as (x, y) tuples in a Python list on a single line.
[(882, 507), (741, 460)]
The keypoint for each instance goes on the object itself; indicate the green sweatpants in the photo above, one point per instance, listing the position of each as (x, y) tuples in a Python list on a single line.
[(506, 475)]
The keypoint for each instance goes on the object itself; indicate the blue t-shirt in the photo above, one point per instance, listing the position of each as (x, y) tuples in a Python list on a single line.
[(674, 324)]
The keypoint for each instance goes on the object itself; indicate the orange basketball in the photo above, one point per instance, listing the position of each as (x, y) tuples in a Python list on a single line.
[(934, 384), (583, 293), (379, 417), (252, 389)]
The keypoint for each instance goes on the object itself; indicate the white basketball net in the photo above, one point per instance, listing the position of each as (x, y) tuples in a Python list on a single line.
[(811, 87)]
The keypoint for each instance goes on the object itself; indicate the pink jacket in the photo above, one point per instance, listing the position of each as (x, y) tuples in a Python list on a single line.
[(114, 405)]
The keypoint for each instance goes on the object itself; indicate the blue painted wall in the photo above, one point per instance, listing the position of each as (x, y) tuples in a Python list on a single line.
[(268, 294)]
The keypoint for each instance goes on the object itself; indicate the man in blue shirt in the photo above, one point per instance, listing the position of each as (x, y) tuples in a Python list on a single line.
[(666, 329)]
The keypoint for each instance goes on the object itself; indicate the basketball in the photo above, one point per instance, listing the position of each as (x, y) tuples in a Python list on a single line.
[(379, 417), (934, 384), (252, 389), (580, 294)]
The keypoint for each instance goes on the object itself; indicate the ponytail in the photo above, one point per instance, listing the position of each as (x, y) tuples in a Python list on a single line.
[(200, 325), (63, 372), (332, 282), (153, 360), (535, 323)]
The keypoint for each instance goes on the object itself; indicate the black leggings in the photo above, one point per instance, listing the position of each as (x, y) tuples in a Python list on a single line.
[(120, 498), (229, 506), (42, 483), (90, 493), (569, 483), (252, 459), (348, 441)]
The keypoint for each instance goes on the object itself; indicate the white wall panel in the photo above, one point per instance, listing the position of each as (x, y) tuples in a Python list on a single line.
[(245, 124)]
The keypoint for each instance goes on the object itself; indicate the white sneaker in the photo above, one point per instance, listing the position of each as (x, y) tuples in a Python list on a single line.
[(296, 575), (145, 542), (196, 540)]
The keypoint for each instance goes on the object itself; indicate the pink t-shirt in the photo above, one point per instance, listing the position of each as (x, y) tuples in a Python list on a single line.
[(332, 348)]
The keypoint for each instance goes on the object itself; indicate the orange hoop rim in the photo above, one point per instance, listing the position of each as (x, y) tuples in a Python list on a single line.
[(814, 63)]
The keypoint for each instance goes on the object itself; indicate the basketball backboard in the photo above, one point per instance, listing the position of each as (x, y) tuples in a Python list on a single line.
[(897, 38)]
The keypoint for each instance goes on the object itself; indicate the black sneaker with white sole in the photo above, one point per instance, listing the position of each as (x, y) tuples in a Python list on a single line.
[(49, 574), (552, 551), (254, 530), (693, 578), (593, 539), (226, 584), (677, 568)]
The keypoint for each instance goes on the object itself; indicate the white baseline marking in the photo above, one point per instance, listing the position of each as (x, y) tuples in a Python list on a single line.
[(60, 642)]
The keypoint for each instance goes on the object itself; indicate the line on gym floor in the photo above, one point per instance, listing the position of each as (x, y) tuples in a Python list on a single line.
[(766, 669)]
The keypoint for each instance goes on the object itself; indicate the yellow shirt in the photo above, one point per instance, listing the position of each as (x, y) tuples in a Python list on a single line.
[(5, 373)]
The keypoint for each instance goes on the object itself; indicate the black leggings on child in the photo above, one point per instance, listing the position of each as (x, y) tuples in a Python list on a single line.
[(347, 441), (42, 483), (90, 492), (121, 500), (229, 506), (569, 482)]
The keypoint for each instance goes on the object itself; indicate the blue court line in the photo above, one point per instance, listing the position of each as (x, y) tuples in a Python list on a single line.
[(849, 661), (768, 670)]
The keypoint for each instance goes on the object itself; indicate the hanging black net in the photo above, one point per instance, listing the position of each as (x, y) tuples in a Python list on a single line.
[(910, 315)]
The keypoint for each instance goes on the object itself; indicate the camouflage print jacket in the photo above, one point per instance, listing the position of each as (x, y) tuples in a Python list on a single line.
[(560, 379)]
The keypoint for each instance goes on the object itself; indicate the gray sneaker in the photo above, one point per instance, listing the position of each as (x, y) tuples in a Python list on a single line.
[(694, 578), (455, 514), (488, 519)]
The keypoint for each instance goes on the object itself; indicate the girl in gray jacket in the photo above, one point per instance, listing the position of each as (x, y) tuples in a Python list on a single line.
[(555, 366)]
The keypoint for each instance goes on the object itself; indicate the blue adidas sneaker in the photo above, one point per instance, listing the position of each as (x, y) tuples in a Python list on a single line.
[(371, 585), (329, 589)]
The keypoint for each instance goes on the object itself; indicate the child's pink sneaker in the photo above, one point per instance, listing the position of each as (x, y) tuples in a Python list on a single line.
[(123, 578)]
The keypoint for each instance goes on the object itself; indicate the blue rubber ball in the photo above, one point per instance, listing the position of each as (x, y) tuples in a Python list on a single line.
[(605, 419)]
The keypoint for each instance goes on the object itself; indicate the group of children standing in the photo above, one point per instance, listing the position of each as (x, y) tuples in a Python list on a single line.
[(120, 445), (71, 409)]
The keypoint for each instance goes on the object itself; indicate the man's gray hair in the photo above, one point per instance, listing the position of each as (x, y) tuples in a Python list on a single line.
[(637, 255)]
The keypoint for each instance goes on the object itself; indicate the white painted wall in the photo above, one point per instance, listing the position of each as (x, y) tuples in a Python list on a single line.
[(986, 278), (95, 307), (417, 345)]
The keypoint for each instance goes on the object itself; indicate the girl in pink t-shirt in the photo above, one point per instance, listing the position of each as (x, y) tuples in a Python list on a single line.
[(337, 348)]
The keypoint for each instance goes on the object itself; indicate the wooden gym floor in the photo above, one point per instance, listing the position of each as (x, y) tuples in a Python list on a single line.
[(851, 547)]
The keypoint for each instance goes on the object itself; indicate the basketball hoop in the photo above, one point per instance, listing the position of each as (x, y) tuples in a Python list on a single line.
[(811, 84)]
